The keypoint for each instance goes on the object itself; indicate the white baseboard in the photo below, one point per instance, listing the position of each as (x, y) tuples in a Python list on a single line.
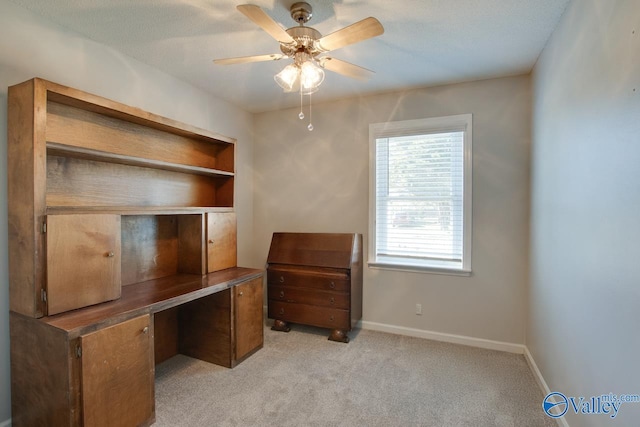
[(6, 423), (562, 422), (536, 372), (450, 338)]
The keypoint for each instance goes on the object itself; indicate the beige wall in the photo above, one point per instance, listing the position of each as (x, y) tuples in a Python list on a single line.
[(31, 46), (318, 182), (584, 297)]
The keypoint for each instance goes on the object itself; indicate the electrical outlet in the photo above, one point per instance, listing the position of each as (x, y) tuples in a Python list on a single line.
[(419, 309)]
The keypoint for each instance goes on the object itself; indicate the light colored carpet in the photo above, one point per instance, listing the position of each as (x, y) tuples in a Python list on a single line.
[(302, 379)]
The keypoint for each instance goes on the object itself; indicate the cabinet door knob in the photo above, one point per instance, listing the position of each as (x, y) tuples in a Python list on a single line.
[(282, 311), (332, 300), (145, 330), (281, 294), (110, 254), (330, 318), (240, 294), (210, 242), (332, 285), (281, 279)]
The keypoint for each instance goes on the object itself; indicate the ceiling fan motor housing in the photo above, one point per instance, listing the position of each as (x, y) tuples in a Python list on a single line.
[(305, 38)]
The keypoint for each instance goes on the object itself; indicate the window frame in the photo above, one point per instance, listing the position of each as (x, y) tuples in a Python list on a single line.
[(455, 123)]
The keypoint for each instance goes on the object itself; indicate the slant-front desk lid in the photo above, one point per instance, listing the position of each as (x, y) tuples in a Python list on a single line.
[(312, 249)]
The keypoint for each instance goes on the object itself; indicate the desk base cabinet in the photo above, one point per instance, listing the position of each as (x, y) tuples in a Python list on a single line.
[(224, 328), (103, 378), (117, 374), (248, 319)]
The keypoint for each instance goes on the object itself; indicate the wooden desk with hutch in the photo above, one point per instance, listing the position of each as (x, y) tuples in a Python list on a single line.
[(122, 253)]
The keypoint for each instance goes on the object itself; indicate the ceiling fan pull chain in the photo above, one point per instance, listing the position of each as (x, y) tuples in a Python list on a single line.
[(301, 115), (310, 126)]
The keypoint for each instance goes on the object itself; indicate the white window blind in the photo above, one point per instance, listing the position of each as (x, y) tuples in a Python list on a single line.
[(419, 196)]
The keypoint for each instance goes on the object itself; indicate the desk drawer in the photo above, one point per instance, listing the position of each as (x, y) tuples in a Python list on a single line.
[(299, 295), (323, 317), (327, 282)]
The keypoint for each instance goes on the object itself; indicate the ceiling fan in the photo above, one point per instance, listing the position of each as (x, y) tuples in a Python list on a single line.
[(305, 45)]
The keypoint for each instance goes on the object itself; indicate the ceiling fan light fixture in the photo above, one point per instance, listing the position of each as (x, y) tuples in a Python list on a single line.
[(311, 77), (288, 77)]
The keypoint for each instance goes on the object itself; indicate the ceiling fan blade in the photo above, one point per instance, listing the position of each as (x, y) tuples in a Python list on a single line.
[(345, 68), (361, 30), (264, 21), (246, 59)]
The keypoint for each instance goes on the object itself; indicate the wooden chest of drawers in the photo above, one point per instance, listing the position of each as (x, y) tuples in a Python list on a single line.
[(315, 279)]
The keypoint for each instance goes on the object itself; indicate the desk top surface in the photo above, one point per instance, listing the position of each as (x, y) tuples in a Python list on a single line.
[(149, 297)]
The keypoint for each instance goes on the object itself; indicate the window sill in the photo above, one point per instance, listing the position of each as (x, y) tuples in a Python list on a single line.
[(419, 269)]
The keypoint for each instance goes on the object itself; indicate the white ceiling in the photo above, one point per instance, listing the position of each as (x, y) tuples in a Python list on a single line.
[(426, 42)]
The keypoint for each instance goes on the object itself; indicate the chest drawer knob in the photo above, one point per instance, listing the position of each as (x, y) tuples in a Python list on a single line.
[(281, 279), (332, 285), (281, 294), (282, 311), (330, 318), (110, 254), (332, 301)]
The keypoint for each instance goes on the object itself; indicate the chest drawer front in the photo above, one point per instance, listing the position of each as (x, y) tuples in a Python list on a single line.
[(299, 295), (323, 317), (333, 282)]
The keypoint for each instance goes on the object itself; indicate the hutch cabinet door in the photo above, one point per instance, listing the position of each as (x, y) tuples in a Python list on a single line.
[(117, 374), (83, 260), (248, 317), (221, 241)]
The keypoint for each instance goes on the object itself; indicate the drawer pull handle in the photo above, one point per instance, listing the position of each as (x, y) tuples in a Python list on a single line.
[(241, 293), (281, 279), (332, 300), (281, 294), (210, 242), (110, 254), (282, 311), (332, 285), (145, 330), (330, 318)]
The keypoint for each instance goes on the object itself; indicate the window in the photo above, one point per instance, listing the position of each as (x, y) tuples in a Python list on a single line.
[(420, 194)]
